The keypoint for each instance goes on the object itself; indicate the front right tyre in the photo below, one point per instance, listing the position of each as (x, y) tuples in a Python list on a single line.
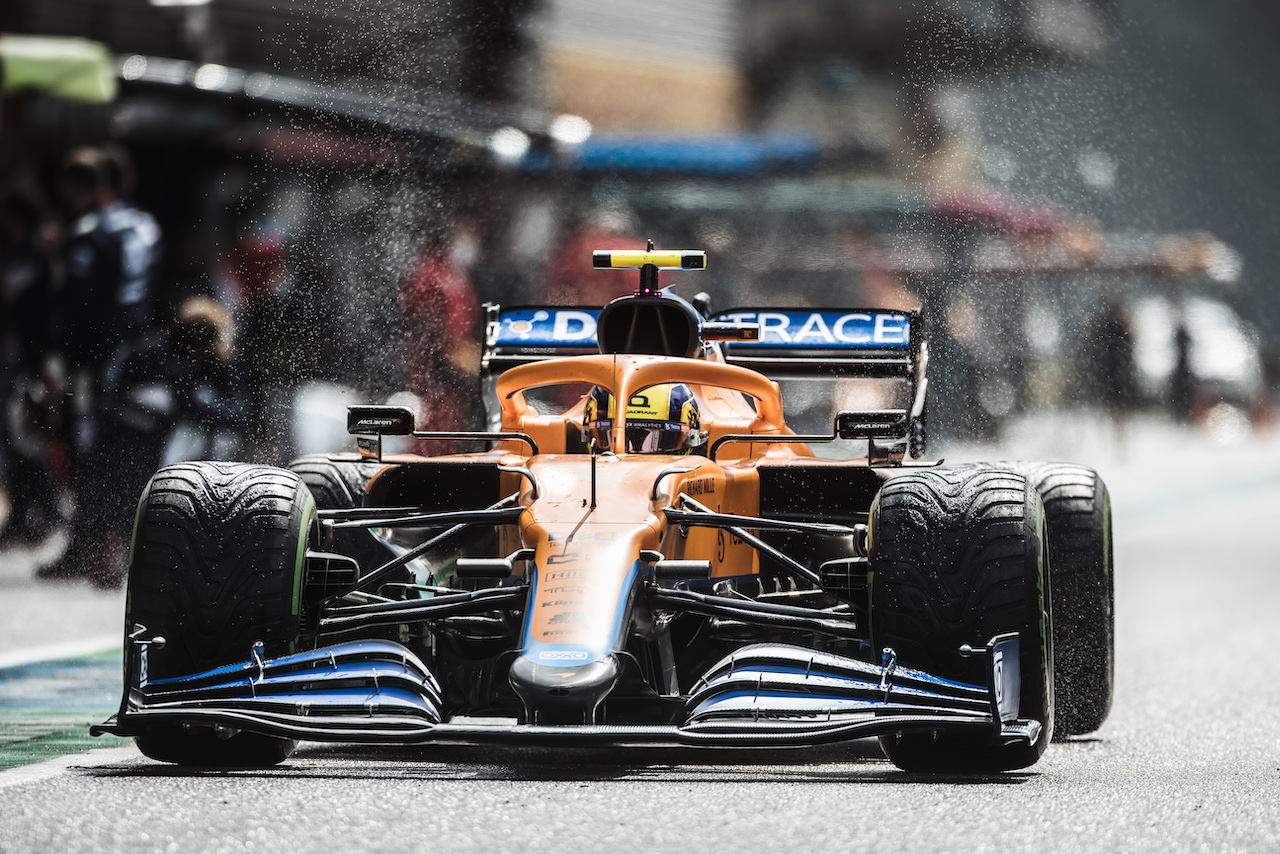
[(216, 565)]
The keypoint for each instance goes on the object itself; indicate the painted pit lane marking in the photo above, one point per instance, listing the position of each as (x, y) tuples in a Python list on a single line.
[(54, 767), (49, 697), (55, 652)]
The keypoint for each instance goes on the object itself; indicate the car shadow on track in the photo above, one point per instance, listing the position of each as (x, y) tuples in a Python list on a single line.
[(854, 762)]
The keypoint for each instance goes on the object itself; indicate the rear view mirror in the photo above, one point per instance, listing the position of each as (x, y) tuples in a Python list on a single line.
[(871, 424), (379, 421)]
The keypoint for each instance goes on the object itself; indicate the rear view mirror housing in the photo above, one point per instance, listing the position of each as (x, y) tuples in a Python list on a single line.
[(871, 424), (379, 421)]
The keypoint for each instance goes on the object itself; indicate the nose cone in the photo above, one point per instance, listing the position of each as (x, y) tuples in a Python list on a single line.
[(554, 694)]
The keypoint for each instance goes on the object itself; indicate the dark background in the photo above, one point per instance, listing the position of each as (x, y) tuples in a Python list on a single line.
[(1186, 99)]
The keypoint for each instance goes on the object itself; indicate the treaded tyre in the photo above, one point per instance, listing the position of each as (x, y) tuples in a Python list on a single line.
[(216, 565), (1077, 511), (340, 486), (957, 558), (335, 485)]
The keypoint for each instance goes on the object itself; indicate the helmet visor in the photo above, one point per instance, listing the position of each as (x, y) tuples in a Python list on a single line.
[(600, 433), (656, 437)]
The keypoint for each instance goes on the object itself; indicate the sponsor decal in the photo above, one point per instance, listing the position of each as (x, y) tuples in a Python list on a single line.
[(562, 655), (831, 330), (568, 617), (583, 536), (997, 666), (548, 327), (1006, 678), (701, 486)]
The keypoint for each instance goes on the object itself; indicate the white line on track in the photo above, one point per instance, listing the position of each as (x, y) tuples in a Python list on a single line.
[(53, 767), (54, 652)]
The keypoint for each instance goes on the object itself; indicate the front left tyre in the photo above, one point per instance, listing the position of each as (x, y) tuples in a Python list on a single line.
[(957, 557), (1077, 510)]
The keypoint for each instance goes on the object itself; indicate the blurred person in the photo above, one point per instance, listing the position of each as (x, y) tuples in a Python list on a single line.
[(109, 258), (181, 375), (441, 356), (1182, 380), (108, 261), (212, 421), (1114, 376), (29, 383), (1263, 414), (570, 279), (253, 283), (138, 236)]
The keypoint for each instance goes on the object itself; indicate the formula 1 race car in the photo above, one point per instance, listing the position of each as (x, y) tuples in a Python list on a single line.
[(641, 551)]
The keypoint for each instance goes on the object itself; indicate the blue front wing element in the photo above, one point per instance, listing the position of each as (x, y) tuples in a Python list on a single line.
[(761, 695), (353, 691), (781, 682)]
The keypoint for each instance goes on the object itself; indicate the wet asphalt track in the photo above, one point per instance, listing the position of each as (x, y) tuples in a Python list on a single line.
[(1189, 760)]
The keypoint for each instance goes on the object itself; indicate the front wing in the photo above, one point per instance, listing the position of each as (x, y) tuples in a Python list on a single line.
[(762, 695)]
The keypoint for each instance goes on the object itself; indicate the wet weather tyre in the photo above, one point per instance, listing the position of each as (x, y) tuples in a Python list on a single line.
[(340, 486), (216, 566), (957, 558), (1077, 511), (335, 485)]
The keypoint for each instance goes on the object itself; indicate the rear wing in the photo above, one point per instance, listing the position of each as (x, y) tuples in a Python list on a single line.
[(829, 343), (874, 343), (522, 334), (809, 344)]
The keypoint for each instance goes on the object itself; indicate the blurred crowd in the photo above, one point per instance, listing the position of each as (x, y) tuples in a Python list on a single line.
[(98, 374), (109, 372)]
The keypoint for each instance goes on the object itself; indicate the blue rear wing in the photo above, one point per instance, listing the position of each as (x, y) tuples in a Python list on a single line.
[(827, 330), (522, 334), (877, 343)]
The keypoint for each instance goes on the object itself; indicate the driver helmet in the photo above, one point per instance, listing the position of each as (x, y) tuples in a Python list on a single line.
[(661, 419)]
